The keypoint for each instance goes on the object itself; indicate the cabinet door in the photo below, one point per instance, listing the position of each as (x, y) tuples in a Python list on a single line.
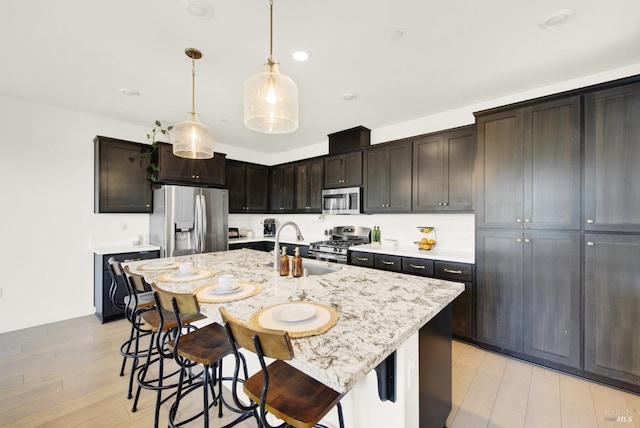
[(459, 159), (376, 186), (235, 182), (256, 188), (612, 157), (302, 175), (499, 288), (308, 186), (174, 169), (121, 183), (281, 196), (353, 169), (552, 165), (428, 174), (500, 170), (334, 172), (552, 296), (399, 168), (211, 171), (612, 299)]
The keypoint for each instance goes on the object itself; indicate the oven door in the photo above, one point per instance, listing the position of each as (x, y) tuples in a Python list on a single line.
[(327, 257)]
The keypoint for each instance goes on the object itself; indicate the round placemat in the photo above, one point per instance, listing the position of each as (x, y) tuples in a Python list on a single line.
[(248, 289), (153, 267), (325, 318), (172, 277)]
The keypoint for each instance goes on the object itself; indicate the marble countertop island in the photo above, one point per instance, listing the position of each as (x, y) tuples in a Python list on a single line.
[(377, 310)]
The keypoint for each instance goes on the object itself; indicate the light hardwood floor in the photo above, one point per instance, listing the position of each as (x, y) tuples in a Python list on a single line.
[(65, 374)]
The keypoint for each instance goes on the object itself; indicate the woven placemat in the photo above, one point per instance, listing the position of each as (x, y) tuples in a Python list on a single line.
[(154, 267), (205, 295), (325, 318), (172, 277)]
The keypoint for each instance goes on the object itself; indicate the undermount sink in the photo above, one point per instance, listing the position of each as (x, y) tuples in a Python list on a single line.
[(313, 268)]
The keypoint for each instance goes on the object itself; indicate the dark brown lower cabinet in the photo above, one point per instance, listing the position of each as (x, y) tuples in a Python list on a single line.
[(612, 306), (528, 293)]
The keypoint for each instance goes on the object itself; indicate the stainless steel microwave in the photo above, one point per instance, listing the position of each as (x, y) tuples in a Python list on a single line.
[(341, 201)]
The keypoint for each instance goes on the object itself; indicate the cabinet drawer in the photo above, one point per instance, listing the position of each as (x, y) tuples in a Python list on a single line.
[(387, 262), (358, 258), (456, 271), (417, 266)]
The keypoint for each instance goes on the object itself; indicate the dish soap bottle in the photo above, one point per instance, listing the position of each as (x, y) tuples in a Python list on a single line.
[(296, 264), (284, 263)]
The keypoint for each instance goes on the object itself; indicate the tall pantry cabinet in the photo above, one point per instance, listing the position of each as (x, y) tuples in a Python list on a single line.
[(528, 240), (558, 231)]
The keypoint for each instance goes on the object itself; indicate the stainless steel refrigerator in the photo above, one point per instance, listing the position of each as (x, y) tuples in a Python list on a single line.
[(189, 220)]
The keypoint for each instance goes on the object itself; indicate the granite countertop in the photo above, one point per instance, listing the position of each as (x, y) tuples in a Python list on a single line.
[(437, 253), (378, 311)]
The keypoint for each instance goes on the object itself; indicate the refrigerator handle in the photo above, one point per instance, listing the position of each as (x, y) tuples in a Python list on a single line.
[(203, 204), (197, 225)]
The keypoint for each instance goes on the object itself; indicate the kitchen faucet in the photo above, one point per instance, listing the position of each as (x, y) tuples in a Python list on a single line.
[(276, 248)]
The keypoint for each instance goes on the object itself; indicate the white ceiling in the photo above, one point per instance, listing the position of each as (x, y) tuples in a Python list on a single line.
[(77, 54)]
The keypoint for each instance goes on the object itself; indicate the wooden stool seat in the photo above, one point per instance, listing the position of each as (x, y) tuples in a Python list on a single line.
[(205, 346), (294, 397)]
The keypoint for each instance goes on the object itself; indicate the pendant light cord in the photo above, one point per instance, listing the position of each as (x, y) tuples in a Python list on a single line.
[(270, 61), (193, 86)]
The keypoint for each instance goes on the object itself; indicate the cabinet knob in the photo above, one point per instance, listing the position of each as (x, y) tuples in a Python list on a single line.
[(590, 243), (526, 220), (518, 220), (518, 240), (589, 221), (445, 203), (439, 204), (527, 240)]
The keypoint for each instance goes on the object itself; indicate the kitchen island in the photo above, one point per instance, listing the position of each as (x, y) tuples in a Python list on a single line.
[(378, 313)]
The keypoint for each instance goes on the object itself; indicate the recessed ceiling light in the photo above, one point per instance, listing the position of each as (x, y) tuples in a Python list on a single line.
[(198, 8), (397, 34), (129, 91), (349, 96), (301, 55), (555, 19)]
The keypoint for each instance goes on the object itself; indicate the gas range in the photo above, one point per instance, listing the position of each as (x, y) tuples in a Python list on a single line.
[(336, 249)]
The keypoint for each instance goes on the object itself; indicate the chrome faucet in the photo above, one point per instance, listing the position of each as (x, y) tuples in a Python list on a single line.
[(276, 248)]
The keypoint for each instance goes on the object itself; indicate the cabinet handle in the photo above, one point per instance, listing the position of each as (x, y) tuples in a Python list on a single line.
[(590, 243), (518, 220), (457, 272), (527, 240), (526, 220), (439, 204), (417, 266), (445, 203), (387, 262), (518, 240), (363, 259), (589, 221)]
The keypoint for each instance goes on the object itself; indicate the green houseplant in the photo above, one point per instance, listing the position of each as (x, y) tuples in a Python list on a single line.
[(152, 139)]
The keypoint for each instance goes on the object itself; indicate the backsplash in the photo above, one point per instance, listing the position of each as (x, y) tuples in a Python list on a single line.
[(454, 231)]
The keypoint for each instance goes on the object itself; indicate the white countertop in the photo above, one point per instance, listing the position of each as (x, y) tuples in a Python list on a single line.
[(412, 251), (368, 302), (123, 248)]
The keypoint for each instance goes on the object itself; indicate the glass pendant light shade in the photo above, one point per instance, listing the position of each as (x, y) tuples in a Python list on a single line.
[(271, 102), (192, 139)]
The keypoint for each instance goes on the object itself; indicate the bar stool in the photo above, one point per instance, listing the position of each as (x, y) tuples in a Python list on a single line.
[(163, 326), (206, 347), (280, 389), (130, 303)]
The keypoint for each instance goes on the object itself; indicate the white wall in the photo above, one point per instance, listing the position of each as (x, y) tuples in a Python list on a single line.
[(46, 189)]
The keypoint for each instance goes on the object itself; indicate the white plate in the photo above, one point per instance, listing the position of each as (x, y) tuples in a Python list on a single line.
[(160, 264), (219, 290), (186, 274), (294, 313)]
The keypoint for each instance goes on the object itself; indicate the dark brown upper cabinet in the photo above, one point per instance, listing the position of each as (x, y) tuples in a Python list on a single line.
[(248, 186), (612, 159), (281, 194), (387, 178), (528, 167), (343, 170), (443, 169), (308, 186), (200, 172), (120, 177)]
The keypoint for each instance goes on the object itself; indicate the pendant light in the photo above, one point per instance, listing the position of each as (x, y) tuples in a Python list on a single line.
[(270, 98), (192, 139)]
